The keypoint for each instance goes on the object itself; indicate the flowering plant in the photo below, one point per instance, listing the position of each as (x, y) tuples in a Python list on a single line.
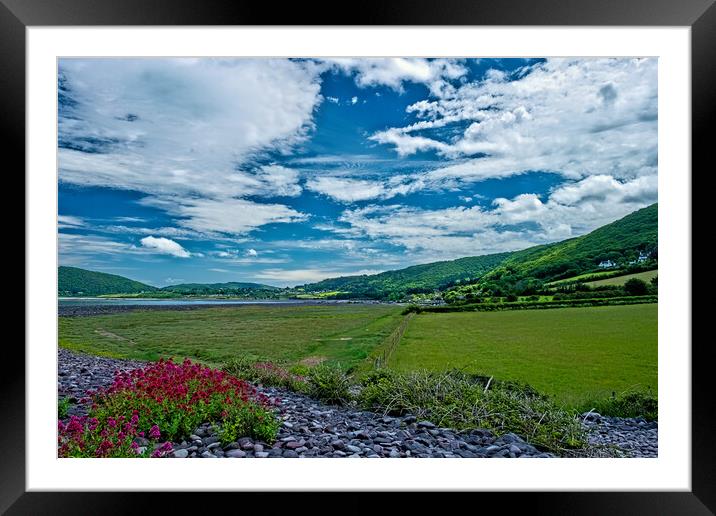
[(164, 400)]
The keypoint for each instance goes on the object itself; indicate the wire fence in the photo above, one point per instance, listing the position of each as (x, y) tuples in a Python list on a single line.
[(391, 342)]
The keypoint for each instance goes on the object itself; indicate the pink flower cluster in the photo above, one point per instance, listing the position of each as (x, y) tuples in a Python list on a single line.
[(166, 400), (88, 437), (187, 383)]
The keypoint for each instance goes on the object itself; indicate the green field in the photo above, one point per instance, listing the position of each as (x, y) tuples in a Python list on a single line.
[(586, 275), (575, 354), (337, 333), (620, 280)]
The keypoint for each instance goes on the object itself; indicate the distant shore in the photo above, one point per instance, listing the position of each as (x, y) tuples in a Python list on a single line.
[(79, 307)]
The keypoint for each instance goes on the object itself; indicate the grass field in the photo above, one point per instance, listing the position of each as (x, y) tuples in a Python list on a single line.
[(337, 333), (575, 354), (620, 280), (587, 275)]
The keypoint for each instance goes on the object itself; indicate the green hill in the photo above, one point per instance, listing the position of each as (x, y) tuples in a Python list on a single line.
[(204, 289), (619, 242), (417, 279), (72, 281)]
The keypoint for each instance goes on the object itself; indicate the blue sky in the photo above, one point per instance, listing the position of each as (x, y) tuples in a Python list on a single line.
[(290, 171)]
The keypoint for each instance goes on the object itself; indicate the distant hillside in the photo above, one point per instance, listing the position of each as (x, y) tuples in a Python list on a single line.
[(72, 281), (417, 279), (619, 242), (203, 289)]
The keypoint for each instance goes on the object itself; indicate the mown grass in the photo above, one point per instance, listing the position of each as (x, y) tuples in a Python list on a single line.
[(620, 280), (344, 334), (573, 354)]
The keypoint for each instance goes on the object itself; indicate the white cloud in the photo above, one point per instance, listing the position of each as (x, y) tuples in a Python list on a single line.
[(333, 100), (227, 216), (184, 127), (252, 252), (291, 277), (165, 246), (571, 209), (345, 189), (575, 117), (68, 221), (354, 100), (392, 72), (88, 245)]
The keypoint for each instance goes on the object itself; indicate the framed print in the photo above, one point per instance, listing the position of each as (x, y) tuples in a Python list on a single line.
[(428, 234)]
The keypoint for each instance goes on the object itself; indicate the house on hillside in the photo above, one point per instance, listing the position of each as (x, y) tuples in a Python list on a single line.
[(607, 264), (641, 259)]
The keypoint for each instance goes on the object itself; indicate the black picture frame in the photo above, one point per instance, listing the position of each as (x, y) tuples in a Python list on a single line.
[(699, 15)]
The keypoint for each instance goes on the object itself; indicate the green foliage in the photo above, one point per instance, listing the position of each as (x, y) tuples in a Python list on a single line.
[(558, 301), (627, 404), (636, 287), (72, 281), (329, 384), (233, 289), (621, 241), (266, 373), (400, 284), (248, 420), (457, 400), (63, 407)]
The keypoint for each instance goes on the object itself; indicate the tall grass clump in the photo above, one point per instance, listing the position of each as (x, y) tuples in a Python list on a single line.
[(461, 401), (329, 384), (266, 373), (325, 382), (626, 404)]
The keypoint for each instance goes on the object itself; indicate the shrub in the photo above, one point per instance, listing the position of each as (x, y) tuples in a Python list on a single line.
[(329, 383), (248, 420), (115, 437), (636, 287), (164, 400), (461, 401), (176, 397)]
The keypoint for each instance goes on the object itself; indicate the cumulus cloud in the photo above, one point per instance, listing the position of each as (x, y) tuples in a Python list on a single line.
[(575, 117), (184, 127), (165, 246), (252, 252), (392, 72), (525, 220)]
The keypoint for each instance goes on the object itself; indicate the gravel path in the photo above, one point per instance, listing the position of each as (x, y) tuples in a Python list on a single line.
[(313, 429)]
